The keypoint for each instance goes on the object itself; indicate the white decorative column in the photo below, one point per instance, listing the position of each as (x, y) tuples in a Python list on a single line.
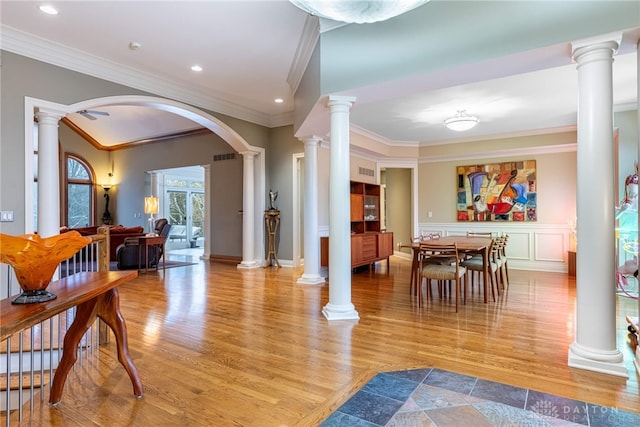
[(311, 275), (248, 209), (208, 238), (594, 347), (636, 361), (339, 306), (48, 173)]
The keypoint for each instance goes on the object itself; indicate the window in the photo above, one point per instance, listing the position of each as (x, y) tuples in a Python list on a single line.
[(80, 193)]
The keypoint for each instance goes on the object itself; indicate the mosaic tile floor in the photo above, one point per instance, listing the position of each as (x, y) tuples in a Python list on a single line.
[(433, 397)]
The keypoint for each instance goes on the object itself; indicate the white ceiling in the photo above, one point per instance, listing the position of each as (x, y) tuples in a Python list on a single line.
[(248, 50)]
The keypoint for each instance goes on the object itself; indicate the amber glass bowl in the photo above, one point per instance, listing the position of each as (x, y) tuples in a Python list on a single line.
[(34, 260)]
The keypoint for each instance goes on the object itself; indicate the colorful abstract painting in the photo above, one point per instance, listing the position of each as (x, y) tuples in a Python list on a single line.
[(497, 192)]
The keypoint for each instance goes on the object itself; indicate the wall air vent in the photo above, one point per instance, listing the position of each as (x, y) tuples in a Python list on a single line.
[(366, 172), (228, 156)]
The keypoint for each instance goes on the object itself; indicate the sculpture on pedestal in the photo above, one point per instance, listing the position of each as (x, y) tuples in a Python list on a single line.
[(272, 200)]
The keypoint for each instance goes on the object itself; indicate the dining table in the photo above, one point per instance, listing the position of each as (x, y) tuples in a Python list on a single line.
[(465, 244)]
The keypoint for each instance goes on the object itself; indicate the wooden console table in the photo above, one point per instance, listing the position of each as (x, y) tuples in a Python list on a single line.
[(144, 242), (572, 263), (94, 295)]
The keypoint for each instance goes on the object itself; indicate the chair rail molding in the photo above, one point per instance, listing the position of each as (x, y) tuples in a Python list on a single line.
[(532, 246)]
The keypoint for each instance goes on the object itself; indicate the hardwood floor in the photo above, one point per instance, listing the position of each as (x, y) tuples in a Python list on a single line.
[(218, 346)]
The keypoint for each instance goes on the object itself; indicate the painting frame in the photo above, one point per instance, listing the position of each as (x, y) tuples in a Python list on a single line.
[(501, 192)]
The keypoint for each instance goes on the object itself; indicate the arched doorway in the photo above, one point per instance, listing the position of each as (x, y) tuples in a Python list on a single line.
[(254, 188)]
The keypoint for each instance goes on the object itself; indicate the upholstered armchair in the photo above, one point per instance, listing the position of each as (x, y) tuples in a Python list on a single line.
[(127, 253)]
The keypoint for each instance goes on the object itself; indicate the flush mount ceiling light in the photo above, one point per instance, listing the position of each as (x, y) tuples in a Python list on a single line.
[(461, 121), (48, 9), (357, 11)]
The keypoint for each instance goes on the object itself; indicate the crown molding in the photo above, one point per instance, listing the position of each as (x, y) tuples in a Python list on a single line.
[(524, 151), (381, 139), (306, 45), (44, 50)]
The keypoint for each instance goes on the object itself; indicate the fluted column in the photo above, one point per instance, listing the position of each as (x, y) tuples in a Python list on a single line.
[(248, 208), (48, 173), (339, 306), (594, 347), (311, 275)]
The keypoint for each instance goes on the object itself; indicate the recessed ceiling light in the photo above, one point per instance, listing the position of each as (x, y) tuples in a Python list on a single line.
[(278, 100), (196, 68), (48, 9)]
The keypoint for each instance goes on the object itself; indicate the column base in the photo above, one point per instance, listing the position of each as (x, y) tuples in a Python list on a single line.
[(247, 265), (311, 279), (611, 363), (340, 312)]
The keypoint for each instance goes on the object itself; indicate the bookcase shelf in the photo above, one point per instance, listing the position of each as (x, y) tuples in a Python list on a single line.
[(365, 207), (368, 243)]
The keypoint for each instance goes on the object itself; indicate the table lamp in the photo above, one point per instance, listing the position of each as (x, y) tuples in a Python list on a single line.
[(151, 207)]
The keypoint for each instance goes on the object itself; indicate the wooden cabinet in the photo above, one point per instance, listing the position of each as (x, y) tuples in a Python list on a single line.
[(572, 263), (357, 209), (366, 248), (368, 243), (365, 207), (385, 245)]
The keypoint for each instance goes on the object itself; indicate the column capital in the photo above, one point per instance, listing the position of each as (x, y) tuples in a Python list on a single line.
[(335, 100), (609, 42), (311, 140), (49, 116), (249, 154)]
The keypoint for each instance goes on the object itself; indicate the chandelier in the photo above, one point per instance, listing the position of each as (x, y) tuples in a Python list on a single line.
[(461, 121), (357, 11)]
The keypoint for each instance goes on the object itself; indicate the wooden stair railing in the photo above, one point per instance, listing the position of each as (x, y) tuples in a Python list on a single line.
[(29, 357)]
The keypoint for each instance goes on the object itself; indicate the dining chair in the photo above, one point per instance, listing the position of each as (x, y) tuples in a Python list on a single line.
[(416, 279), (503, 259), (487, 234), (415, 241), (440, 262), (475, 264)]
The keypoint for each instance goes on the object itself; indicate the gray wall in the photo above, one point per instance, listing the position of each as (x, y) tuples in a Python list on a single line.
[(282, 147), (25, 77), (398, 183)]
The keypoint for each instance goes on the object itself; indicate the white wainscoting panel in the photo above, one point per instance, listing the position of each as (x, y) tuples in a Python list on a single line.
[(531, 246), (550, 247), (520, 246)]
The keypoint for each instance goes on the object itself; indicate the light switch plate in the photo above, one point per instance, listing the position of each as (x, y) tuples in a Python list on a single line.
[(6, 216)]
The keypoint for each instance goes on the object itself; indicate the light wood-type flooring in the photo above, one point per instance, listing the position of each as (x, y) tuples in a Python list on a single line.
[(219, 346)]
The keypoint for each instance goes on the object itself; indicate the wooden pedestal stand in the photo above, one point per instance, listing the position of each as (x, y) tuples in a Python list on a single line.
[(272, 221)]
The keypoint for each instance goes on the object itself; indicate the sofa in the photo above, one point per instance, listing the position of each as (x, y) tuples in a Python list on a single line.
[(127, 253), (117, 235)]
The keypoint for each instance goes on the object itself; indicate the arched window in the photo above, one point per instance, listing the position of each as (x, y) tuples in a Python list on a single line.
[(80, 193)]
